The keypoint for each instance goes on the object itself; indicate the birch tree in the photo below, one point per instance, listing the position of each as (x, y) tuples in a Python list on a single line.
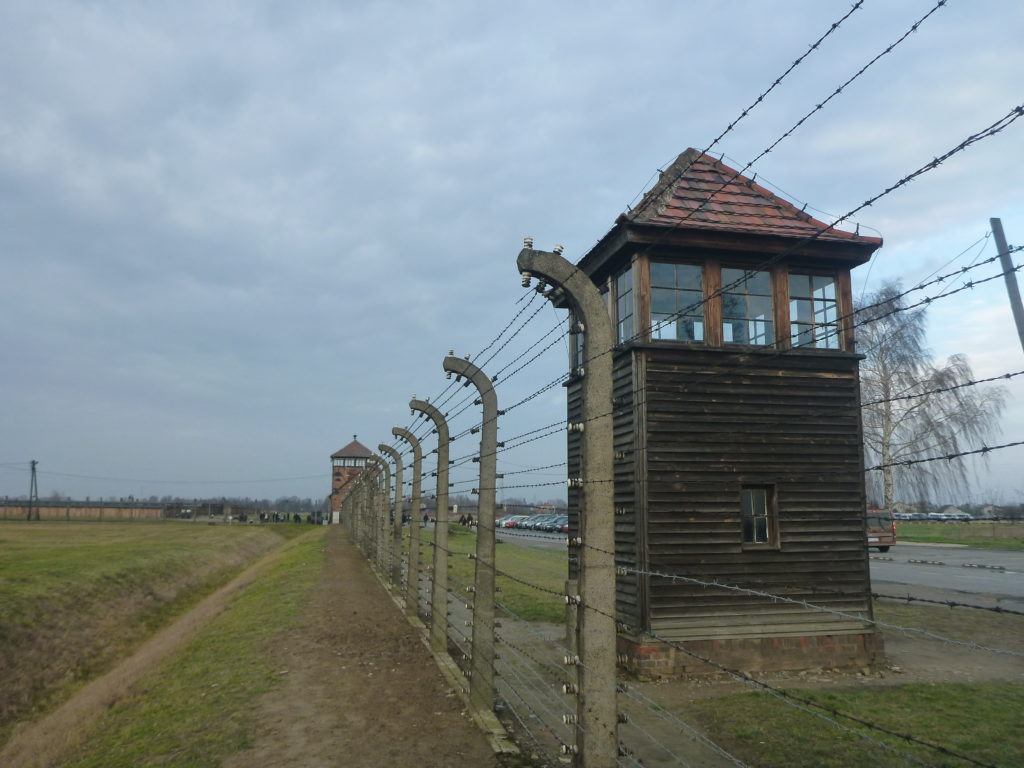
[(930, 423)]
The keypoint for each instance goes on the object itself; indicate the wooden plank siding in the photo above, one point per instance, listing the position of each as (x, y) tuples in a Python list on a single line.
[(715, 420), (627, 586)]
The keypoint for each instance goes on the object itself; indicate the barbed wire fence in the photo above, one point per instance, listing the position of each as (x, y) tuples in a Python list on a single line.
[(533, 641)]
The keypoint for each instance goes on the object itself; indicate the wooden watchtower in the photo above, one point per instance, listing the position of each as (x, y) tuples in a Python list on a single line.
[(737, 428), (346, 465)]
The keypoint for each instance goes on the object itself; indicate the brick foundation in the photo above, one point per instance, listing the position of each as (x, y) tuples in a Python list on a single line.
[(650, 660)]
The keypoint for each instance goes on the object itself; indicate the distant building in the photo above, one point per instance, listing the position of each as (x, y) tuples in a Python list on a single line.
[(346, 465)]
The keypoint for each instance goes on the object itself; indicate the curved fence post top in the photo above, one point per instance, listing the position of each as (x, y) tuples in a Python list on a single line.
[(390, 452), (462, 367), (406, 435), (426, 408)]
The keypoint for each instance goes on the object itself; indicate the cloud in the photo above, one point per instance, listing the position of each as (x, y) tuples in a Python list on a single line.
[(241, 232)]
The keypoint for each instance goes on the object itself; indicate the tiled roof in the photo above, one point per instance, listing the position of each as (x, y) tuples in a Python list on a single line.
[(354, 450), (741, 206)]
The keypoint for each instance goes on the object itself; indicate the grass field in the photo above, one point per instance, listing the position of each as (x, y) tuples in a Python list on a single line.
[(544, 567), (979, 534), (193, 711), (75, 597), (980, 720)]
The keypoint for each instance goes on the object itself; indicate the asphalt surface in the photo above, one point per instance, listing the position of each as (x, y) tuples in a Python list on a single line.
[(941, 571), (951, 569)]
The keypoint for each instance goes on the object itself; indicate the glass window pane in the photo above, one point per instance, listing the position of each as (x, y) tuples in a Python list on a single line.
[(663, 275), (760, 332), (800, 311), (799, 286), (733, 305), (663, 326), (624, 282), (691, 303), (760, 530), (732, 333), (663, 300), (759, 307), (759, 283), (801, 335), (690, 277), (824, 288)]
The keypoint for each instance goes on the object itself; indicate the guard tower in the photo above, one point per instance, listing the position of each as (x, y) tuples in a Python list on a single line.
[(737, 427), (346, 465)]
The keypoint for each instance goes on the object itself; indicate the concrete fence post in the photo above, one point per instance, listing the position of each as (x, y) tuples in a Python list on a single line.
[(382, 476), (481, 682), (382, 517), (357, 520), (439, 585), (412, 579), (396, 523), (597, 713)]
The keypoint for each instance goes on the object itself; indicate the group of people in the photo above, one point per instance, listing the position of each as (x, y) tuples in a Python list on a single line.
[(464, 520)]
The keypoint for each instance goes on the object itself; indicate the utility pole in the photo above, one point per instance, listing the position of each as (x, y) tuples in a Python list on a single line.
[(481, 681), (1012, 289), (439, 592), (396, 523), (412, 577), (33, 493), (597, 713)]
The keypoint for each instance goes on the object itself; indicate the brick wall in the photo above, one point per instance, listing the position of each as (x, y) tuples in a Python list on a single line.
[(651, 660)]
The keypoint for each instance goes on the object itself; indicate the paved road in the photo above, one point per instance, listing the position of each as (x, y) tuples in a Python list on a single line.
[(1007, 586), (892, 572)]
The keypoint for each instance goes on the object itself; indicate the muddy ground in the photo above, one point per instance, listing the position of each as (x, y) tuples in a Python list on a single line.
[(367, 692)]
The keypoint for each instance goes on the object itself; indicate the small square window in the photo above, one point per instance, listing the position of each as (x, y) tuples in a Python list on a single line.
[(758, 516)]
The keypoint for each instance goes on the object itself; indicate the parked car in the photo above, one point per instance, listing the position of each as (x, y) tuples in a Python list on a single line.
[(556, 523), (516, 520), (538, 522), (881, 529)]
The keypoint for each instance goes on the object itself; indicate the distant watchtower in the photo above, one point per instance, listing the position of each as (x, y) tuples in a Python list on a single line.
[(346, 465), (738, 438)]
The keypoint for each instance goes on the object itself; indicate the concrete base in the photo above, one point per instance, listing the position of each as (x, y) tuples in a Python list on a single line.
[(652, 660)]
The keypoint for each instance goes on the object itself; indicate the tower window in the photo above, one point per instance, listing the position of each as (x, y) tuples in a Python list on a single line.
[(747, 308), (624, 306), (813, 317), (677, 296)]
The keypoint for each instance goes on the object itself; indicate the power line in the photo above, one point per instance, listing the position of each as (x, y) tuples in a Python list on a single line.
[(778, 80)]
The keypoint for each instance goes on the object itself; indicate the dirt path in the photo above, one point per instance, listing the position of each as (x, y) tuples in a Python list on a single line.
[(366, 691), (41, 743)]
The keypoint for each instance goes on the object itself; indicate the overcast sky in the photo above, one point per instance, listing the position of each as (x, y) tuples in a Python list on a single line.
[(232, 235)]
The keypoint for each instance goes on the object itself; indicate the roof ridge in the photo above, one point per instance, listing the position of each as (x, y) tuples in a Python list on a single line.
[(685, 197)]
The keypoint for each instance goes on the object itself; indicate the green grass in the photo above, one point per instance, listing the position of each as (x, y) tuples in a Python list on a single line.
[(970, 534), (196, 709), (75, 597), (981, 720), (546, 568)]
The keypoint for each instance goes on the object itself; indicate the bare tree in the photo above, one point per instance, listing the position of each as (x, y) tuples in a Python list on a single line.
[(897, 363)]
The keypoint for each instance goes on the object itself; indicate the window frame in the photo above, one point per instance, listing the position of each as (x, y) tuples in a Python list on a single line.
[(771, 517), (772, 336), (617, 301), (838, 325), (701, 312)]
